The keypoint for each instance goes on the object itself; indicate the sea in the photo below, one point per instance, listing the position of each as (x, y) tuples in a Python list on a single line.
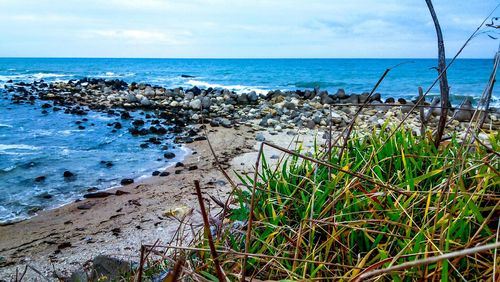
[(34, 144)]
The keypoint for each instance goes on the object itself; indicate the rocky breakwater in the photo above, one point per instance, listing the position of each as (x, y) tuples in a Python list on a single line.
[(181, 107)]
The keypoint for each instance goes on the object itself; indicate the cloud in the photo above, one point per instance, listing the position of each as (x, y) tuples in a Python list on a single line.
[(138, 36)]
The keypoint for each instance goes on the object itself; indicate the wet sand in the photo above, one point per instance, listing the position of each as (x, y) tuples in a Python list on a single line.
[(57, 242)]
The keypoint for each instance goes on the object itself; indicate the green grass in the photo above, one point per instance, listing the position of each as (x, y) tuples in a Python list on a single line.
[(381, 204)]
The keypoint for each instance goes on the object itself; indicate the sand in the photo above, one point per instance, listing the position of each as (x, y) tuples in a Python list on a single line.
[(57, 242)]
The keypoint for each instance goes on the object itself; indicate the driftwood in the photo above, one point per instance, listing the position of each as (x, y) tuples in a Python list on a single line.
[(443, 80)]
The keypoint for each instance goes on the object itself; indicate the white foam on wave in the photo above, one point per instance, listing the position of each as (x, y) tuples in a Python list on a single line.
[(110, 74), (5, 147), (237, 88), (5, 125), (42, 75)]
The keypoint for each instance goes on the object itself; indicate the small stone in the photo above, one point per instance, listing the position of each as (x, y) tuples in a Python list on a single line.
[(260, 137), (126, 181), (169, 155)]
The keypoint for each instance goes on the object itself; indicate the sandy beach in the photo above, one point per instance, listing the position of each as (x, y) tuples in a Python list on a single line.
[(59, 241)]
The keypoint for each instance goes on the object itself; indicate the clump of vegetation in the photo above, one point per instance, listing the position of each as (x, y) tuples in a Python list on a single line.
[(392, 206)]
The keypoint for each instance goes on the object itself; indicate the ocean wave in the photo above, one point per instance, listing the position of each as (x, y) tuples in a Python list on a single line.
[(110, 74), (236, 88), (32, 76), (5, 125), (4, 147)]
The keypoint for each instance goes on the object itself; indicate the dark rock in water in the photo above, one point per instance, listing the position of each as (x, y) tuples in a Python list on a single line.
[(44, 112), (353, 99), (46, 106), (390, 100), (125, 115), (40, 178), (68, 174), (164, 174), (111, 268), (45, 196), (81, 127), (156, 173), (138, 123), (187, 76), (179, 164), (118, 125), (169, 155), (325, 98), (126, 181), (402, 101), (363, 98), (340, 93), (97, 195), (465, 112), (144, 145), (376, 97), (92, 189)]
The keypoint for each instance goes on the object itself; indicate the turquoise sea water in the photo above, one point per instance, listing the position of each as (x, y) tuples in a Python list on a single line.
[(467, 77), (34, 144)]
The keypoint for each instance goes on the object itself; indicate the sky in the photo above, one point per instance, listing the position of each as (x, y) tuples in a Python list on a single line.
[(241, 28)]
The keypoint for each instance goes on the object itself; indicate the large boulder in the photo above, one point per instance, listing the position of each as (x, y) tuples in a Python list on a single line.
[(465, 112)]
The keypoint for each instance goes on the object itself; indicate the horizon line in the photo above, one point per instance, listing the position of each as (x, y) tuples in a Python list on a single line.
[(246, 58)]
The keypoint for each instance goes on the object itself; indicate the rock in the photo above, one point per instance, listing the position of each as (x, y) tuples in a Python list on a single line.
[(340, 93), (225, 122), (111, 268), (363, 98), (155, 173), (97, 195), (145, 102), (390, 100), (85, 206), (165, 173), (193, 167), (465, 112), (260, 137), (195, 104), (126, 181), (68, 174), (252, 97), (310, 124), (325, 98), (376, 97), (242, 99), (205, 102), (353, 99), (179, 164), (40, 178), (169, 155), (402, 101), (120, 193)]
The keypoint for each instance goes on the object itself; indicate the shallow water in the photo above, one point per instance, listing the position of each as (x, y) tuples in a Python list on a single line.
[(34, 144)]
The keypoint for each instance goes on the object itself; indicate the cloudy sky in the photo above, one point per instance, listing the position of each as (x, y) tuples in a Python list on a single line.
[(240, 28)]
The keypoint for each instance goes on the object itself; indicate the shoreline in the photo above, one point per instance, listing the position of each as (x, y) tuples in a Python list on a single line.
[(69, 236), (66, 237)]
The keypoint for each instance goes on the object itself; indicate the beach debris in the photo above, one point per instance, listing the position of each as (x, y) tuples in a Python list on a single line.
[(177, 212)]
